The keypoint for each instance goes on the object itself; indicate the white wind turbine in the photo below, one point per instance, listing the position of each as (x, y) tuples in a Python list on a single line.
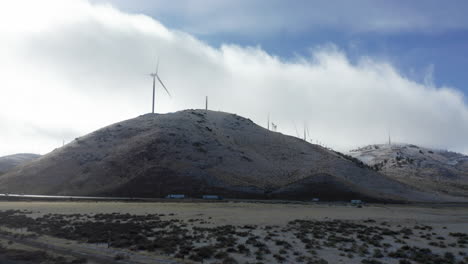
[(156, 76)]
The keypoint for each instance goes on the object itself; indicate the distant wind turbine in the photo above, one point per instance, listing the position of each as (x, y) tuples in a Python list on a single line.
[(268, 122), (297, 132), (156, 76), (305, 127), (274, 126)]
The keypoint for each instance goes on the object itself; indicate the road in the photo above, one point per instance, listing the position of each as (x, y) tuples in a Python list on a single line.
[(60, 197)]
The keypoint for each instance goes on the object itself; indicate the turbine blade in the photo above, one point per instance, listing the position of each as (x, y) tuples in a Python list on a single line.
[(157, 76), (157, 65)]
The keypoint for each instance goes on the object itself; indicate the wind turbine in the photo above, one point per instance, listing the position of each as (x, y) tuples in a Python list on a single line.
[(274, 126), (308, 134), (297, 132), (268, 122), (156, 76), (305, 127)]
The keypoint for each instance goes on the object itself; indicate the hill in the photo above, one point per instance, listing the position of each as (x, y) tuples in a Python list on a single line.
[(196, 152), (11, 161), (427, 169)]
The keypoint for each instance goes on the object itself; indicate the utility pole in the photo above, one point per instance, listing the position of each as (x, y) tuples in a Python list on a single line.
[(206, 103)]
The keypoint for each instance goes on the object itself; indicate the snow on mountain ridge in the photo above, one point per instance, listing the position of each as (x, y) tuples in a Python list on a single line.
[(439, 170), (197, 152)]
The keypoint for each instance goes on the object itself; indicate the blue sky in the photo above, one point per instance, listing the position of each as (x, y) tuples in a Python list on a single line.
[(352, 72), (417, 37)]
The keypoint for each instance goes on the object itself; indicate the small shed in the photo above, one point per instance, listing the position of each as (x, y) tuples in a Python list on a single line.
[(212, 197), (175, 196)]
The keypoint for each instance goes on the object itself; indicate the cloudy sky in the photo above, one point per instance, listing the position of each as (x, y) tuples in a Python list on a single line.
[(353, 71)]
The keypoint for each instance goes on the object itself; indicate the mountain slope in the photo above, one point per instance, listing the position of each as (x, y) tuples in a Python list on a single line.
[(11, 161), (426, 169), (198, 152)]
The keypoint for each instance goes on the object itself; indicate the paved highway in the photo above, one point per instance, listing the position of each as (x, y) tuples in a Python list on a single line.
[(63, 197)]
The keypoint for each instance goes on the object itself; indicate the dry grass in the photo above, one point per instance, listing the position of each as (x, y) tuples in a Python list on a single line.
[(254, 232)]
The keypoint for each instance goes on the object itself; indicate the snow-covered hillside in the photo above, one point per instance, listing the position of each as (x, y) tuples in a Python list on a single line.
[(425, 168), (197, 152)]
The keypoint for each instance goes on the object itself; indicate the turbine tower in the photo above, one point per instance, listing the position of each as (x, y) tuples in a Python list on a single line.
[(305, 136), (156, 76), (297, 132), (268, 122)]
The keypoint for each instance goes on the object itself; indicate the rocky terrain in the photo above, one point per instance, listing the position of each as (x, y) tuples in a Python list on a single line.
[(11, 161), (197, 152), (427, 169)]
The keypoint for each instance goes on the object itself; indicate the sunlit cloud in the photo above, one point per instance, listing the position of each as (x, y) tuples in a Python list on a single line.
[(71, 67)]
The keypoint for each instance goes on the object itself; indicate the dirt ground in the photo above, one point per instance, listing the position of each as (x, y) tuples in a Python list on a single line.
[(249, 232), (241, 213)]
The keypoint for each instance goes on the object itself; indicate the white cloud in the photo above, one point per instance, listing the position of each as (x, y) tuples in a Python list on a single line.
[(86, 68)]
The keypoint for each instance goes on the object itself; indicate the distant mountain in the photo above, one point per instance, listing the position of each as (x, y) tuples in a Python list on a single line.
[(197, 152), (427, 169), (11, 161)]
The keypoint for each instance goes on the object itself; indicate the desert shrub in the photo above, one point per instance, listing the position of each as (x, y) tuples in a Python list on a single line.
[(205, 252), (450, 257), (279, 258), (377, 253), (37, 256), (370, 261), (196, 257), (76, 261), (229, 260), (221, 255), (243, 249), (119, 256)]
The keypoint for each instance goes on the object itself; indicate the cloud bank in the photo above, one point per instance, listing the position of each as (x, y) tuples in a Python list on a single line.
[(71, 67)]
